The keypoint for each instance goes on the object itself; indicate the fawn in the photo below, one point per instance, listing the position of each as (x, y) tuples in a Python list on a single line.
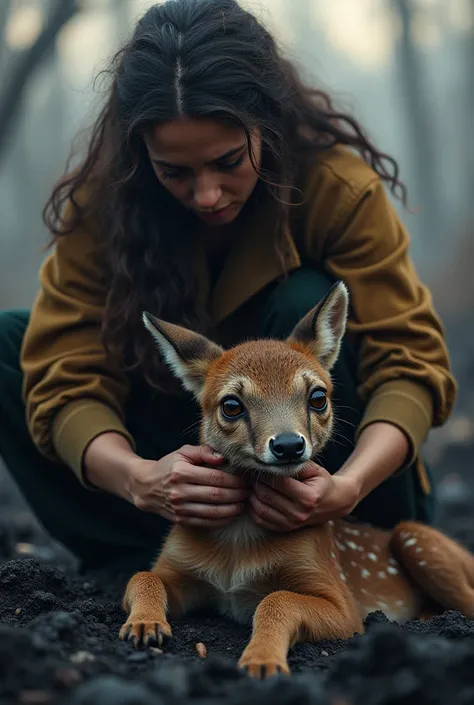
[(266, 407)]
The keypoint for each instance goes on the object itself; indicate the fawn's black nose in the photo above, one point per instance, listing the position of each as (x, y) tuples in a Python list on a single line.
[(288, 447)]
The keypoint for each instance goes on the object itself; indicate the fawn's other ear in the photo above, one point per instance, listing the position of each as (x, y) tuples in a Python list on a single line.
[(323, 328), (188, 354)]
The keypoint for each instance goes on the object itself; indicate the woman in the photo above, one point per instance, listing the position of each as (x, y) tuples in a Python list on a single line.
[(220, 192)]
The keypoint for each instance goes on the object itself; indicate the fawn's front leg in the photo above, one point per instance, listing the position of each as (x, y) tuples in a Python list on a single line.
[(284, 618), (148, 598)]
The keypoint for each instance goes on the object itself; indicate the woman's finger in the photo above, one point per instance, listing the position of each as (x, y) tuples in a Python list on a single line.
[(268, 515), (295, 503), (184, 472), (184, 494), (209, 511), (274, 499), (201, 455)]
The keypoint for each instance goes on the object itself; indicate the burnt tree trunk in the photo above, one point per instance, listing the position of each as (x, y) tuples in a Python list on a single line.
[(22, 69)]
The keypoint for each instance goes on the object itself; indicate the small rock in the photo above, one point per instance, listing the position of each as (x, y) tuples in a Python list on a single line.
[(201, 649), (25, 548), (324, 653), (82, 657), (18, 611), (30, 549)]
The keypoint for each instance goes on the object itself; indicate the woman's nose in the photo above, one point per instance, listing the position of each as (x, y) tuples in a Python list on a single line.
[(207, 192)]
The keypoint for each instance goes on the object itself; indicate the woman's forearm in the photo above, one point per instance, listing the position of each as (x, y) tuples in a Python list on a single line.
[(108, 461), (381, 450)]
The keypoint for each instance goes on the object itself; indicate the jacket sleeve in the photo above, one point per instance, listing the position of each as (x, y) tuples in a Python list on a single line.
[(404, 369), (73, 392)]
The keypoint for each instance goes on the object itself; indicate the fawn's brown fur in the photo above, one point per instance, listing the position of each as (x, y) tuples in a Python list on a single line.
[(310, 584)]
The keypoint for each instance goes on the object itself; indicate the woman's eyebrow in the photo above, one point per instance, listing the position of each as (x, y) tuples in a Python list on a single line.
[(222, 157)]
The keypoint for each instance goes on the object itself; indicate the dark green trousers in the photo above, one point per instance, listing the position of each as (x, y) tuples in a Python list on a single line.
[(101, 529)]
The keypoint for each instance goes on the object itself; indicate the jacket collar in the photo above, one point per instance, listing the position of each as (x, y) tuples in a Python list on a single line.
[(252, 263)]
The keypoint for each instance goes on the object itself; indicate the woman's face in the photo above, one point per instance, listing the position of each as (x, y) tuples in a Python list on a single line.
[(205, 165)]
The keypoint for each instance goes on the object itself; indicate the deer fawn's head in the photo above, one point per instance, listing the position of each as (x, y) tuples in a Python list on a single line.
[(266, 404)]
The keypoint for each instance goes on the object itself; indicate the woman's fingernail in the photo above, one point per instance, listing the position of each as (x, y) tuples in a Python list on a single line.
[(216, 454)]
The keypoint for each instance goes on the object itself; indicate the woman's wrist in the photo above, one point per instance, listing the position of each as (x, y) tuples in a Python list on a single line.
[(108, 462), (381, 450)]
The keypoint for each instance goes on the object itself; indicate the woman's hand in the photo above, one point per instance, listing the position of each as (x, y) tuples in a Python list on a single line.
[(286, 504), (316, 496), (182, 489)]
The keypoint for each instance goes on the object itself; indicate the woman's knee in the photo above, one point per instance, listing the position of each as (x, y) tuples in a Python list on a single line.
[(290, 299)]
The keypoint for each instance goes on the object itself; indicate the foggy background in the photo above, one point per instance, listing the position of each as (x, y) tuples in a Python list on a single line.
[(404, 68)]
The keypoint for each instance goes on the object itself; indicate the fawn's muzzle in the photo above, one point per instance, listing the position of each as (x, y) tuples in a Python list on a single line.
[(287, 447)]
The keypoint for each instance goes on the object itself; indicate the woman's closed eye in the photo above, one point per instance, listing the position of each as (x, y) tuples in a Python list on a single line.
[(173, 173), (228, 165)]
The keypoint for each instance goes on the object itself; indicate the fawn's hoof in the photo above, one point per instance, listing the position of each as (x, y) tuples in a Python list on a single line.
[(263, 667), (146, 632)]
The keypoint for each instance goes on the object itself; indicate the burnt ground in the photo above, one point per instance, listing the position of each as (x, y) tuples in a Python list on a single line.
[(58, 631)]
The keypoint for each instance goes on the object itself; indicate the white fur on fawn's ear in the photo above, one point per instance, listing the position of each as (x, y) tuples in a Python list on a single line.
[(323, 328), (188, 354)]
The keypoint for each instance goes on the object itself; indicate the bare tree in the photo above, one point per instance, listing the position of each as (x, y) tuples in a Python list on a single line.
[(469, 107), (420, 129), (27, 63), (5, 7), (123, 17)]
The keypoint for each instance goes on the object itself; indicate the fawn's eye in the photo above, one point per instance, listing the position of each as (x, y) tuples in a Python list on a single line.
[(232, 408), (318, 400)]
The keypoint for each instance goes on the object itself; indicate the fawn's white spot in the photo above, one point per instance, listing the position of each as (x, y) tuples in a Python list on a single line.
[(372, 556), (422, 563), (353, 532), (343, 577), (392, 570), (365, 573), (410, 542), (351, 544), (418, 550), (382, 574)]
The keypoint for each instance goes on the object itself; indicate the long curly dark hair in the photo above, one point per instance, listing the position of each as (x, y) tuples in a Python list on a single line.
[(199, 58)]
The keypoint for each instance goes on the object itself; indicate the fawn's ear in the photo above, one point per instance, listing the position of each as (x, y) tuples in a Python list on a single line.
[(323, 328), (188, 354)]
